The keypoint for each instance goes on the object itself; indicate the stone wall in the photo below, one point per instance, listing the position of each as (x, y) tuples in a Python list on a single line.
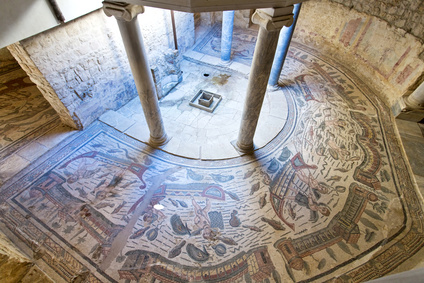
[(83, 69), (24, 60), (404, 14), (386, 57), (241, 18)]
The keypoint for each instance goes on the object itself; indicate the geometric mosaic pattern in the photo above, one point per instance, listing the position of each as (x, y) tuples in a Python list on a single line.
[(330, 197)]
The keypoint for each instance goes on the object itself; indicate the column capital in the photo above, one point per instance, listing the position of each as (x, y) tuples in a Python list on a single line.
[(273, 19), (122, 11)]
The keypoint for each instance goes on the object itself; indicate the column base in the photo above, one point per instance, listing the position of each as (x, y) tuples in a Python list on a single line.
[(156, 142), (272, 88), (249, 149), (226, 63), (405, 111)]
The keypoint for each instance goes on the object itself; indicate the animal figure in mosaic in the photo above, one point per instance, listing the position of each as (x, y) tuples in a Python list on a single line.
[(178, 226), (255, 187), (262, 201), (176, 251), (220, 249), (196, 253), (193, 175), (152, 234), (139, 233), (273, 223), (220, 178), (232, 195), (249, 173), (253, 228)]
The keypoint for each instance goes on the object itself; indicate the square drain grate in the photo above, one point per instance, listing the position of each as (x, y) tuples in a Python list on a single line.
[(206, 100)]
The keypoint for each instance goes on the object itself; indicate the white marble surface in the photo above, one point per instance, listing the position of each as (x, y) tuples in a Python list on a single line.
[(198, 134)]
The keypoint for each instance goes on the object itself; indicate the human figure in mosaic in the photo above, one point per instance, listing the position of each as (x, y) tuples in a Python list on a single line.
[(102, 191), (201, 219), (339, 152), (310, 202), (151, 214), (85, 170), (312, 182)]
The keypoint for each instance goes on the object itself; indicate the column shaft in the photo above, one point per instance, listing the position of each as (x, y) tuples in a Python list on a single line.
[(282, 48), (261, 67), (416, 99), (227, 35), (134, 47)]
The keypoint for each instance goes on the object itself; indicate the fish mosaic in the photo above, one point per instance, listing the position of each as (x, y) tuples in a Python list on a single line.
[(325, 200), (176, 251)]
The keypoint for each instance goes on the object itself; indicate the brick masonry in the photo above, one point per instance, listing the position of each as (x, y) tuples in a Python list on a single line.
[(82, 69)]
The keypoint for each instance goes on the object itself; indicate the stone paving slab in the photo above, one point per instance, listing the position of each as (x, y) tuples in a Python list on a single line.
[(196, 133)]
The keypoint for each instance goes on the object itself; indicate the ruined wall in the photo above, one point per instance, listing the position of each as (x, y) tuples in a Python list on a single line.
[(386, 57), (85, 64)]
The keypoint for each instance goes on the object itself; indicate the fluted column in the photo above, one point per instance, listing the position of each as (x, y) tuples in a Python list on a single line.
[(282, 48), (270, 22), (126, 16), (227, 35)]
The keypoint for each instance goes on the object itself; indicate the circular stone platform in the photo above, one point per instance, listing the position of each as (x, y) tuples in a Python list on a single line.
[(198, 134)]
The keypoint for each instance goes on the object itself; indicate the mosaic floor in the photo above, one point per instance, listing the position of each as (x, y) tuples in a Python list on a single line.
[(330, 198), (242, 48), (24, 113), (25, 116)]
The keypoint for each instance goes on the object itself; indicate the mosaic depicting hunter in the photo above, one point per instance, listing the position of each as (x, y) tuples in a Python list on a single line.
[(332, 199)]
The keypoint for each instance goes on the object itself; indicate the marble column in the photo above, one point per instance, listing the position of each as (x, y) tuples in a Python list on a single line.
[(270, 22), (416, 99), (282, 48), (126, 16), (227, 35)]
